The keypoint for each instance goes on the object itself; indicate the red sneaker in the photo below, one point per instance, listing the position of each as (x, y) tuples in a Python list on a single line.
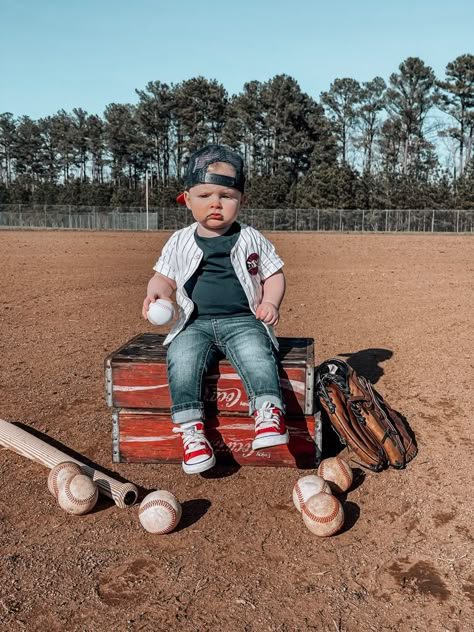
[(269, 427), (198, 453)]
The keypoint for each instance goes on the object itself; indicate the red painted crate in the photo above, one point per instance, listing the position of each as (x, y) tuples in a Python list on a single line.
[(136, 377), (146, 436)]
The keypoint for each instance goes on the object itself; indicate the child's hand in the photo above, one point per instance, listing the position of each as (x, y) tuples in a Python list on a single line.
[(268, 313), (152, 299), (146, 305)]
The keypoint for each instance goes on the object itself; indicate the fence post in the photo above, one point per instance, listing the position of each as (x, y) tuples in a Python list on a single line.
[(274, 219), (386, 221), (340, 219), (296, 219), (363, 220), (457, 221), (432, 221), (317, 224)]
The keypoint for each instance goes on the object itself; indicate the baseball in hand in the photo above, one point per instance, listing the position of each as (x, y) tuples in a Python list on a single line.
[(60, 473), (159, 512), (337, 472), (161, 312), (308, 486), (78, 495), (323, 514)]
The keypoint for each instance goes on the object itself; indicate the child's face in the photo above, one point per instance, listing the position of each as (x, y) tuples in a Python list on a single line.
[(214, 207)]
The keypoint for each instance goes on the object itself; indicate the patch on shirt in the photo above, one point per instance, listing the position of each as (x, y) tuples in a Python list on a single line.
[(252, 263)]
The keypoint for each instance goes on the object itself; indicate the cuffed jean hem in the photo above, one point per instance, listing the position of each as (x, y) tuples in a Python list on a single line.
[(181, 415), (257, 402)]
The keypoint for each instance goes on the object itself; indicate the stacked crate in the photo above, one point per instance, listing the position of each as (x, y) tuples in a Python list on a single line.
[(137, 391)]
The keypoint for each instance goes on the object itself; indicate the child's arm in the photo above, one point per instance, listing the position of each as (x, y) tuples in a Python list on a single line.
[(159, 286), (273, 292)]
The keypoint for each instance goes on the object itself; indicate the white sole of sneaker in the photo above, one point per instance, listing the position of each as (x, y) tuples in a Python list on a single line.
[(270, 442), (200, 467)]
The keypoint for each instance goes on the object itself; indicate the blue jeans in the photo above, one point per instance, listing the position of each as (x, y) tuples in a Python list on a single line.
[(244, 341)]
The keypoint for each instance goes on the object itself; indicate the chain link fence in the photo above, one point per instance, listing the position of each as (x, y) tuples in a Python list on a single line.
[(136, 218)]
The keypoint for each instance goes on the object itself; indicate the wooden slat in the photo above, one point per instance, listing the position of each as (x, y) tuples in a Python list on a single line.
[(147, 437), (137, 378), (141, 385), (149, 348)]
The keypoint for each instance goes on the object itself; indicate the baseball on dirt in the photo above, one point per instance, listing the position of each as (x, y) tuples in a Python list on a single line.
[(159, 512), (60, 473), (323, 514), (337, 472), (161, 312), (78, 495), (308, 486)]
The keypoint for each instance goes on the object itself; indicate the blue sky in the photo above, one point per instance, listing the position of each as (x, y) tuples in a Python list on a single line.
[(56, 54)]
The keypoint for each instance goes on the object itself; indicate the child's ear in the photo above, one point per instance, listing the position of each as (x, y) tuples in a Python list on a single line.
[(187, 199), (243, 200)]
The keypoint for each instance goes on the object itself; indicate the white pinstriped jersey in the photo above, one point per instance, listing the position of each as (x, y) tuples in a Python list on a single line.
[(181, 256)]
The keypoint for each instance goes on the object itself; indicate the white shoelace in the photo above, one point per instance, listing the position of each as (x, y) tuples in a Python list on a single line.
[(193, 439), (266, 419)]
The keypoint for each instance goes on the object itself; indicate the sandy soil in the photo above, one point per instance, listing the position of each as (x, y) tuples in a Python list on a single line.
[(400, 307)]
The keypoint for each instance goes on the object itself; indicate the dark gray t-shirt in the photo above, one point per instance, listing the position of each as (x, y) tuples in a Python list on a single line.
[(214, 288)]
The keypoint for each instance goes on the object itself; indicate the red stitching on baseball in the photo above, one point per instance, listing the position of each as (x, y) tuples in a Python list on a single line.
[(345, 473), (168, 307), (299, 493), (328, 518), (160, 503), (75, 500), (60, 468), (334, 530)]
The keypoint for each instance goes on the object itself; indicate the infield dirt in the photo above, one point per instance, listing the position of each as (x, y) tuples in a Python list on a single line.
[(400, 307)]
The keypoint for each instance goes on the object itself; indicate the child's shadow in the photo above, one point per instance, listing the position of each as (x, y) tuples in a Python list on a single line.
[(366, 362)]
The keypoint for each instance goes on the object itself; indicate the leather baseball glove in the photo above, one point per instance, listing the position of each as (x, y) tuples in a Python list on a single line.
[(371, 429)]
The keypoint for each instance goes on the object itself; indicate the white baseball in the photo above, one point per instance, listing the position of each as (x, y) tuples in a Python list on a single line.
[(61, 473), (308, 486), (78, 495), (337, 472), (161, 312), (323, 514), (159, 512)]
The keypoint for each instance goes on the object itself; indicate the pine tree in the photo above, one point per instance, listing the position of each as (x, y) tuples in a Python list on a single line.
[(456, 98), (409, 99), (341, 103)]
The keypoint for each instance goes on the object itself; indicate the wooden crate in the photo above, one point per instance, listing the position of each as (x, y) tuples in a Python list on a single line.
[(136, 377), (146, 436)]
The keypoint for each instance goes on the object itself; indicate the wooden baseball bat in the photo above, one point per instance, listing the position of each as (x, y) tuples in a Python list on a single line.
[(29, 446)]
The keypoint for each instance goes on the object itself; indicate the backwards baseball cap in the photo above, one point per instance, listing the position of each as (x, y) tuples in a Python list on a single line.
[(198, 165)]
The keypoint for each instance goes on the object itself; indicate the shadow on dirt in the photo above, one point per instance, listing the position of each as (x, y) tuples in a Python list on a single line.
[(193, 510), (366, 362), (102, 502), (223, 470), (68, 451), (351, 516)]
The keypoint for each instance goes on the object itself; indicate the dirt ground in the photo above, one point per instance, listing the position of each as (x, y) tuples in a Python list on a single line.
[(399, 306)]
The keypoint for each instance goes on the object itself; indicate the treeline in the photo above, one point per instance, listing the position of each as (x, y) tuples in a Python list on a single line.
[(405, 143)]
